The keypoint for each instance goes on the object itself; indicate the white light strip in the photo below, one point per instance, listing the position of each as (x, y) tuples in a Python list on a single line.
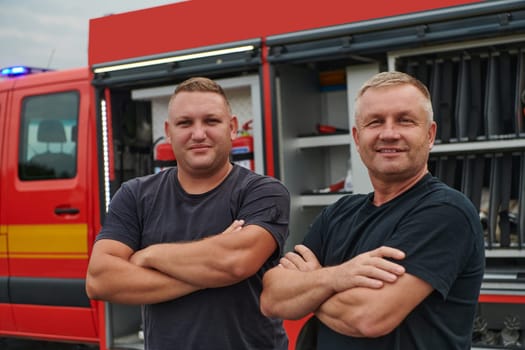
[(174, 59), (105, 152)]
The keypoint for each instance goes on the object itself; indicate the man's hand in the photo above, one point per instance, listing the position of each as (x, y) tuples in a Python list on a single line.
[(303, 259), (370, 269), (235, 226)]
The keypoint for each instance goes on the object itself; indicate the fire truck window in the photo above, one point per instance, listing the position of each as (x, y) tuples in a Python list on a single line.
[(48, 137)]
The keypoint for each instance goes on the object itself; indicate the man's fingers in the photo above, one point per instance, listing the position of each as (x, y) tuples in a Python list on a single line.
[(378, 259), (367, 282), (237, 224), (295, 258), (385, 274), (234, 226), (371, 269), (388, 252), (287, 264), (389, 266), (305, 252)]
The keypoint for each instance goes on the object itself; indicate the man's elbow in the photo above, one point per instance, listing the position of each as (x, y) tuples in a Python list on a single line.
[(239, 273), (375, 331), (274, 310), (369, 327), (238, 267), (93, 289), (266, 305), (270, 307), (222, 276)]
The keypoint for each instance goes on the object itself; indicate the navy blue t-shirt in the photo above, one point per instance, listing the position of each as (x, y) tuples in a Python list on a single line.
[(439, 230), (155, 209)]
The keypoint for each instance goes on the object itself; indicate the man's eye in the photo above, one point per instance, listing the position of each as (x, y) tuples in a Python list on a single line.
[(406, 121)]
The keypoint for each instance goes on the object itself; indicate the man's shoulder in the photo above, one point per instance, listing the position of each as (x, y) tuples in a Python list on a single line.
[(447, 194), (440, 196), (348, 203), (248, 178), (150, 180)]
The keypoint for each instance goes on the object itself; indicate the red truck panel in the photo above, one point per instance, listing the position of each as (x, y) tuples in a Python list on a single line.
[(195, 23)]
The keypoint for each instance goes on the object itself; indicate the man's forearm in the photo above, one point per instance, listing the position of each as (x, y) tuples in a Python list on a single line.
[(127, 283), (216, 261), (293, 294), (190, 262)]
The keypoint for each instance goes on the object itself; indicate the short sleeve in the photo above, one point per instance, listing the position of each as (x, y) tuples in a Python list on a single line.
[(122, 222), (266, 203), (313, 239), (438, 240)]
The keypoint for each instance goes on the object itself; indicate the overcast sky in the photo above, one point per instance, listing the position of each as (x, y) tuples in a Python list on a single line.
[(54, 33)]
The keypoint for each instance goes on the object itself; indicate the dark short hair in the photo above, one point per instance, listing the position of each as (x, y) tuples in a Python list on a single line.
[(201, 84)]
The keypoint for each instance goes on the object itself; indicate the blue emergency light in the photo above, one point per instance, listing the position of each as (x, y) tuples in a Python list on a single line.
[(16, 71)]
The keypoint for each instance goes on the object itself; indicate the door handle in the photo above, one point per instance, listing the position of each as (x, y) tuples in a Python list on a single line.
[(67, 211)]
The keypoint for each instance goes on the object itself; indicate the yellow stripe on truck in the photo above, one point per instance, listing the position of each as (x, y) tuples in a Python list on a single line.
[(3, 241), (59, 241)]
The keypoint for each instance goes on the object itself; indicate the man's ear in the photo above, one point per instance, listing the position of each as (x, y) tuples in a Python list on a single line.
[(355, 136), (234, 127), (432, 134), (166, 126)]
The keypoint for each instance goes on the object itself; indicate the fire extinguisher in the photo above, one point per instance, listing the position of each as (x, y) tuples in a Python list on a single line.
[(242, 148), (164, 156)]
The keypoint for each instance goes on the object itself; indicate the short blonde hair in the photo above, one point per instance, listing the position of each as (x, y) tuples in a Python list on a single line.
[(392, 79)]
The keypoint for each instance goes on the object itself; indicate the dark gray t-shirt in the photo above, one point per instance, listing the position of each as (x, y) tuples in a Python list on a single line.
[(155, 209)]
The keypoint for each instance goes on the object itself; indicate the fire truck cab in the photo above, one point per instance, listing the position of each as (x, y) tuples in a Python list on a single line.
[(47, 205)]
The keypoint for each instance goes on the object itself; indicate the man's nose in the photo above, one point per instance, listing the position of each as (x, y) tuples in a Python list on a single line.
[(199, 131), (389, 131)]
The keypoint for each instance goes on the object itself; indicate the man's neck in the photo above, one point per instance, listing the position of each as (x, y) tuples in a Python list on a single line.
[(198, 184), (385, 191)]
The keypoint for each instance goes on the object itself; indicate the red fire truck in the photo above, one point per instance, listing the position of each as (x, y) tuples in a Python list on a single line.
[(68, 139)]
